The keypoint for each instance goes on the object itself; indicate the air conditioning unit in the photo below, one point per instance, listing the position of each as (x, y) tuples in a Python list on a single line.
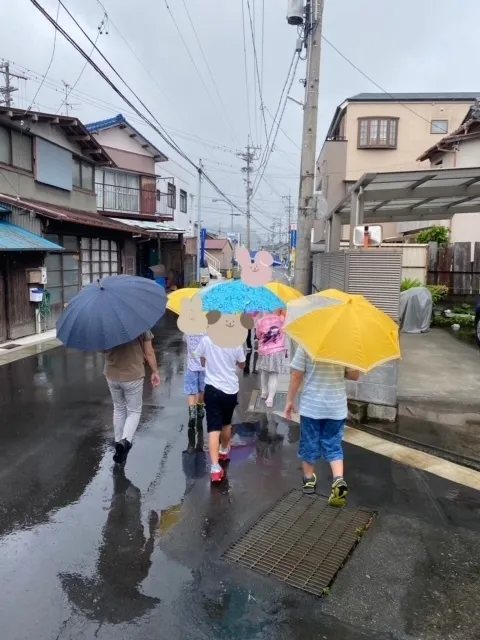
[(295, 12)]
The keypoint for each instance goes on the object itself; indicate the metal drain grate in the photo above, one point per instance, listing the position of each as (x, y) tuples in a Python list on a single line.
[(10, 346), (301, 541)]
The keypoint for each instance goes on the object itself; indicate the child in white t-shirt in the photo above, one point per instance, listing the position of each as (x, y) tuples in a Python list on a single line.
[(220, 396)]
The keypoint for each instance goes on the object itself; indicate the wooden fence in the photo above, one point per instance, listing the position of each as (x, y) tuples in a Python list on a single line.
[(453, 267)]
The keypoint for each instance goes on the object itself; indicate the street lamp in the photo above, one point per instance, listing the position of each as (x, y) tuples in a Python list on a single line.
[(231, 209)]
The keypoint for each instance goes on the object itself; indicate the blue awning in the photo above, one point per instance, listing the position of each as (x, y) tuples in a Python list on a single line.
[(14, 238)]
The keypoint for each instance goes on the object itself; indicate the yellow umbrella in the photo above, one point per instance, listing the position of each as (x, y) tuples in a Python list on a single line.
[(175, 298), (284, 292), (344, 329)]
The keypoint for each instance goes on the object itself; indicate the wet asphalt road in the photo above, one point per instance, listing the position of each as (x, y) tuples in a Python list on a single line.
[(89, 553)]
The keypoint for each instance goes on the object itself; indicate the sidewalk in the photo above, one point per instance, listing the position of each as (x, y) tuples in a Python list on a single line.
[(30, 345)]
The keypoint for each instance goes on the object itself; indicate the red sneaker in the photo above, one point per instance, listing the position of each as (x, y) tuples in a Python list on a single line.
[(224, 457), (217, 476)]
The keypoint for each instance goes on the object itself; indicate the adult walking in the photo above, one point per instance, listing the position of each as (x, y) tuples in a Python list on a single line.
[(125, 374)]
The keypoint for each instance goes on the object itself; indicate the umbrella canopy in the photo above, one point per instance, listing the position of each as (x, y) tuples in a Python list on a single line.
[(284, 291), (110, 312), (175, 298), (234, 296), (344, 329)]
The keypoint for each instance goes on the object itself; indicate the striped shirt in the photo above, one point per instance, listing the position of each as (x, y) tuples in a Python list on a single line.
[(324, 395)]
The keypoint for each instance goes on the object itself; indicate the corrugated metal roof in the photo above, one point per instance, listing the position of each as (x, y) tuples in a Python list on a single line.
[(150, 226), (102, 125), (465, 96), (13, 238), (67, 215)]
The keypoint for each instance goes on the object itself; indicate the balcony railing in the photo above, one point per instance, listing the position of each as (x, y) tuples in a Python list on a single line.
[(130, 200)]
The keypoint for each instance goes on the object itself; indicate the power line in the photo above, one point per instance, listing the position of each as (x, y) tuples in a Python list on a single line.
[(283, 131), (159, 129), (342, 55), (257, 72), (51, 60), (194, 63), (271, 143), (208, 66), (246, 69)]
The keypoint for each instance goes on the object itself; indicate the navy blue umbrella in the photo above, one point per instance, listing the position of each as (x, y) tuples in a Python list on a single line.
[(110, 312)]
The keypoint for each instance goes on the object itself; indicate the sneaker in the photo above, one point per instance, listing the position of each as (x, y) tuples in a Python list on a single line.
[(309, 485), (192, 417), (224, 456), (338, 497), (121, 451), (216, 475)]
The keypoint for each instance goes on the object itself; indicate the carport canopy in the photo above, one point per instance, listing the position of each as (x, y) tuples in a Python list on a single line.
[(433, 194)]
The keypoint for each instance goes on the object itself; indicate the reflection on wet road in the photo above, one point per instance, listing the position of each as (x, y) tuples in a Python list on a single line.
[(89, 553)]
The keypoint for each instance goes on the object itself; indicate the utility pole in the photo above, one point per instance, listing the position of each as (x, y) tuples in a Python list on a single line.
[(306, 204), (7, 90), (199, 217), (248, 157), (289, 211)]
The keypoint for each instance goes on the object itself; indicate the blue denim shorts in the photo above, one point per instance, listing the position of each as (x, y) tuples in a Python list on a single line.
[(194, 382), (320, 439)]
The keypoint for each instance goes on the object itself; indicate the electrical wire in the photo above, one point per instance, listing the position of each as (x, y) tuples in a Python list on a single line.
[(195, 65), (283, 131), (158, 129), (246, 69), (271, 142), (342, 55), (257, 72), (208, 67), (50, 63)]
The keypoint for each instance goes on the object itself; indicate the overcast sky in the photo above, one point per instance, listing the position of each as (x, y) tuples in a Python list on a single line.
[(415, 45)]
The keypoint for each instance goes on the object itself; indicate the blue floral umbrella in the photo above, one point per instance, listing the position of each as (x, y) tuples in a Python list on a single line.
[(234, 296)]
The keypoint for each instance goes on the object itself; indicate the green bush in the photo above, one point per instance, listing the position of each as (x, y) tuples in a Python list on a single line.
[(463, 309), (463, 321), (439, 292), (409, 283), (438, 234)]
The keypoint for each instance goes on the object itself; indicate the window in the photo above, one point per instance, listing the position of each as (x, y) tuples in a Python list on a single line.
[(62, 269), (99, 259), (183, 201), (16, 149), (82, 174), (117, 191), (172, 195), (377, 133), (439, 126)]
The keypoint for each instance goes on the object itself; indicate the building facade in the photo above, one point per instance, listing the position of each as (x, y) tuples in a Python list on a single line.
[(382, 132), (47, 189)]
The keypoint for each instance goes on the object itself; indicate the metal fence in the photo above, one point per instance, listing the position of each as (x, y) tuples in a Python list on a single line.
[(144, 201)]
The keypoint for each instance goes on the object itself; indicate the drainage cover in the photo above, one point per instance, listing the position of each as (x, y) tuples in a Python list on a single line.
[(10, 346), (301, 541)]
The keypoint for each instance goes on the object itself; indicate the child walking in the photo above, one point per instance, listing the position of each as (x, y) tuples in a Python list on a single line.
[(221, 398), (323, 413), (194, 387), (271, 353)]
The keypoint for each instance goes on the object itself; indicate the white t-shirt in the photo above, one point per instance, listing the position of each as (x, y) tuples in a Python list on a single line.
[(220, 365)]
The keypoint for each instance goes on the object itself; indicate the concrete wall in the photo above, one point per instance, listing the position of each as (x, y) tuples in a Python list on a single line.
[(116, 138), (224, 256), (331, 171)]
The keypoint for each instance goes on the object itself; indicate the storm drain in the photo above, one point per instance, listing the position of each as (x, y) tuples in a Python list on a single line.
[(301, 541), (9, 346)]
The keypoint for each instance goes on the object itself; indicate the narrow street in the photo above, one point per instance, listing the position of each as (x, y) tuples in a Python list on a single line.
[(89, 553)]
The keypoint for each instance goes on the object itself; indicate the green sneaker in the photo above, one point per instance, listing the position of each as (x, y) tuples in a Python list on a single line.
[(338, 497), (309, 485)]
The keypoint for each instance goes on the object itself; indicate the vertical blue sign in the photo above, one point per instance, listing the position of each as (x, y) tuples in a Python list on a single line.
[(203, 239), (293, 238)]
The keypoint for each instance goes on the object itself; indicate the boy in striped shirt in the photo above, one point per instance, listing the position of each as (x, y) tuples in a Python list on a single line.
[(323, 413)]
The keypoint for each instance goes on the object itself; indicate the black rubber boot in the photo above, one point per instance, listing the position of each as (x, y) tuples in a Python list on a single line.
[(191, 440), (200, 439), (192, 417)]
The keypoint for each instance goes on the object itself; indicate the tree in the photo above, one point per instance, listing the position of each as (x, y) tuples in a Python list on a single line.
[(439, 234)]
